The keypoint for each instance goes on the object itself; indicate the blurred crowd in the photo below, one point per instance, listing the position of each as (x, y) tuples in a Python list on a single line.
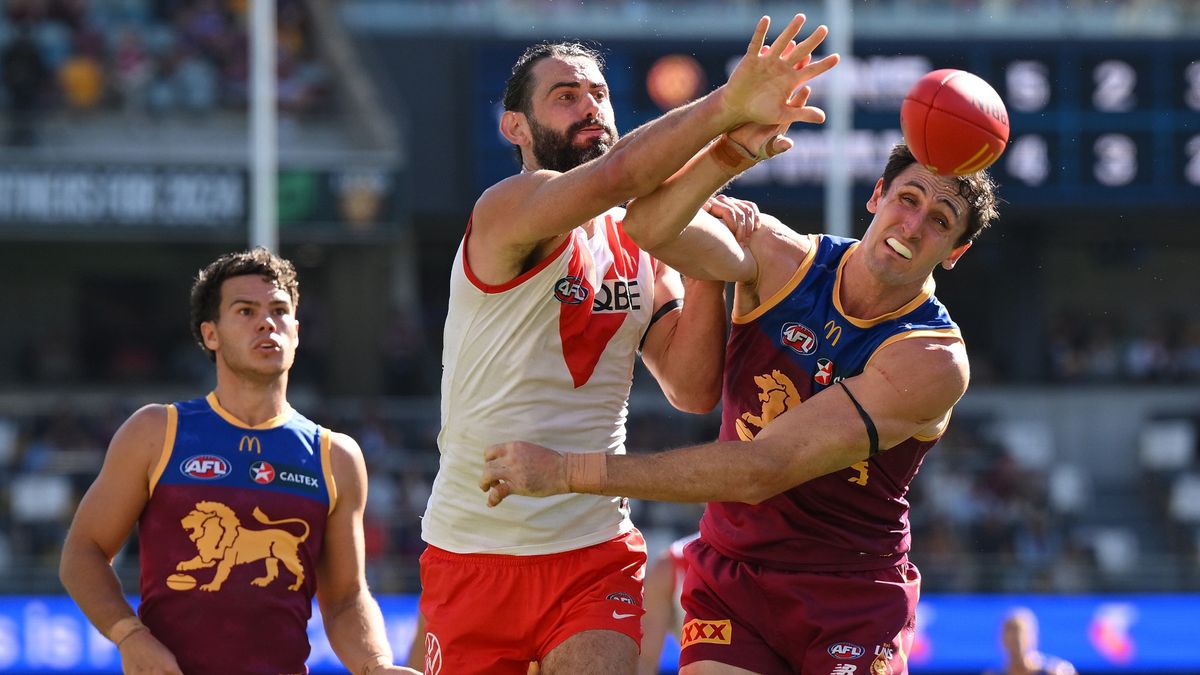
[(1103, 350), (146, 57)]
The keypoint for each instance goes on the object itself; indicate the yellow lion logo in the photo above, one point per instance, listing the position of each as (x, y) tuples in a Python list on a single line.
[(778, 394), (221, 540)]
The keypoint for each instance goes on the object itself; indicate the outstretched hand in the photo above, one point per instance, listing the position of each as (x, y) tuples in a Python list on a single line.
[(765, 87), (522, 468)]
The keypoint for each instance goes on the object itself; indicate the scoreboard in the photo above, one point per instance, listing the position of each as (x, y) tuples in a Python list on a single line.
[(1095, 123)]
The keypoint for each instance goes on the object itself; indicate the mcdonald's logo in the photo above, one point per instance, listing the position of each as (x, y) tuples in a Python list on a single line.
[(250, 444), (833, 332)]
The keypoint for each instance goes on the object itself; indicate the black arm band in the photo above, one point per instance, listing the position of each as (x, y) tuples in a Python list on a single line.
[(872, 432), (668, 307)]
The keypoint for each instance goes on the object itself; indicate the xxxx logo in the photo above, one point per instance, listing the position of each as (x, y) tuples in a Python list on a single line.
[(711, 632)]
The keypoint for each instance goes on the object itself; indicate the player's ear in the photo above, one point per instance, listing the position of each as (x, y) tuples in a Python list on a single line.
[(952, 259), (515, 127), (873, 202), (208, 331)]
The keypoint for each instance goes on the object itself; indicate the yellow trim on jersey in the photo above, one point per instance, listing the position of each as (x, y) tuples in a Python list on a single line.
[(168, 445), (947, 333), (327, 466), (275, 421), (814, 240), (925, 294)]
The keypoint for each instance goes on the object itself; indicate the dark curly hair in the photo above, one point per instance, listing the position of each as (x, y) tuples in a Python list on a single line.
[(206, 289), (977, 188)]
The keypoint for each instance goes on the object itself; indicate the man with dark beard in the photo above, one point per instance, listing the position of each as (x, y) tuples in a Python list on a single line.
[(550, 301)]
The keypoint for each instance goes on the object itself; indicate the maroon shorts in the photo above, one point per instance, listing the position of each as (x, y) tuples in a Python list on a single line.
[(818, 623), (494, 614)]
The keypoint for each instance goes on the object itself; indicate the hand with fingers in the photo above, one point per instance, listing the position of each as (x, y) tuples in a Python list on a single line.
[(522, 468), (739, 215), (766, 87)]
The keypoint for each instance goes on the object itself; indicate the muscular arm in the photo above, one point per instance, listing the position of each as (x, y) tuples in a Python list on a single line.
[(102, 523), (522, 213), (906, 388), (352, 618), (685, 350)]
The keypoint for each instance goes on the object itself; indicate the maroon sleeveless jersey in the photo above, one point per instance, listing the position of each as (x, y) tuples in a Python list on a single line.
[(793, 346), (231, 537)]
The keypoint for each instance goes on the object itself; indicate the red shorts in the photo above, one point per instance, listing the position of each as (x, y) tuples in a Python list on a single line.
[(496, 613), (775, 621)]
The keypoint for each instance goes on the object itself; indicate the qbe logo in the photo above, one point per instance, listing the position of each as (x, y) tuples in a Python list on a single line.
[(846, 650), (799, 337), (204, 467)]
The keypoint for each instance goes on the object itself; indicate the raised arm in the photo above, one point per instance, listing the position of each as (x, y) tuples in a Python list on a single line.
[(521, 213), (668, 222), (907, 388), (352, 618), (102, 524)]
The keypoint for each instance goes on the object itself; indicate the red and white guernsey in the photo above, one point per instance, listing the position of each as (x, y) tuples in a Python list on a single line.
[(547, 358)]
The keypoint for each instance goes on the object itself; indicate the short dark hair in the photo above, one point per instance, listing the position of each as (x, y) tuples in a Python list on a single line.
[(518, 90), (977, 188), (206, 289)]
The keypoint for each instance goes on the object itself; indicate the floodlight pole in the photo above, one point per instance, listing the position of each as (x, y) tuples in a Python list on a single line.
[(839, 119), (264, 225)]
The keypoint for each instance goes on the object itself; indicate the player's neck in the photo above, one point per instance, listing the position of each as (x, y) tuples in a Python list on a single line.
[(252, 403), (864, 296)]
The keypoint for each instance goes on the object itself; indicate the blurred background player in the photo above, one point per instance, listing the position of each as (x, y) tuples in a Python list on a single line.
[(1019, 639), (664, 614), (246, 509)]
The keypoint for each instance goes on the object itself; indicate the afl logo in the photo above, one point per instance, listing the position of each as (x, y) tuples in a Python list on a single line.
[(846, 651), (571, 290), (799, 337), (262, 472), (205, 467)]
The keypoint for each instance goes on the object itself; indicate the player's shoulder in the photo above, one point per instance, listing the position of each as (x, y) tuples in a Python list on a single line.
[(779, 251), (939, 361), (151, 419), (141, 437), (509, 196), (344, 445)]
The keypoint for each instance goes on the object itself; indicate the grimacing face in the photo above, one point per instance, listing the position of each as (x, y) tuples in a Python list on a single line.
[(916, 227)]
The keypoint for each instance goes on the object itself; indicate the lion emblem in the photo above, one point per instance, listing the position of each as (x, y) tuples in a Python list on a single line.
[(221, 540), (777, 393)]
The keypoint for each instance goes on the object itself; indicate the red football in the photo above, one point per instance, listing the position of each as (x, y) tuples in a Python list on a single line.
[(954, 122)]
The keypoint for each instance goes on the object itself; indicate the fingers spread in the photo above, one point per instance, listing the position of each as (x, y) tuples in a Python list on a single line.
[(806, 46), (759, 37), (786, 36)]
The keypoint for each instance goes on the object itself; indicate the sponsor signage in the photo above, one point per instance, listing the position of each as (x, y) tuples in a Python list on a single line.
[(955, 634), (116, 198)]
